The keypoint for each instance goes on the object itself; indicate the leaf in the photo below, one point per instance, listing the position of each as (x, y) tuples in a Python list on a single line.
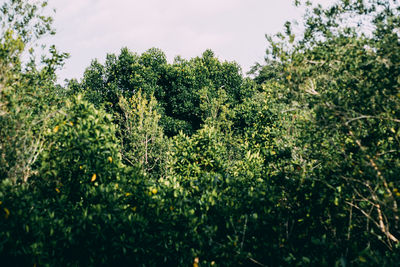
[(7, 213)]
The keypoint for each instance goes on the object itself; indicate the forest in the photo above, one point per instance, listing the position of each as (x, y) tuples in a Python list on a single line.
[(145, 162)]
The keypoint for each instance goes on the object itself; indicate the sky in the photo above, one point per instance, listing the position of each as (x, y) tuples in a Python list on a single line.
[(234, 29)]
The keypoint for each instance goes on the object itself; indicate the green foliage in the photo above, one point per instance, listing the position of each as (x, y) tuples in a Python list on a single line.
[(25, 19), (179, 88), (142, 137), (188, 83), (81, 150), (123, 76), (23, 113), (147, 163), (345, 79)]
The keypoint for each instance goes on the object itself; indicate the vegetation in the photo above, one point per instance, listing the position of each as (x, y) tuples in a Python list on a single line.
[(148, 163)]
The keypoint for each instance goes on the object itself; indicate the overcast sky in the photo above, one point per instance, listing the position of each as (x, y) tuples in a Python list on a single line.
[(234, 29)]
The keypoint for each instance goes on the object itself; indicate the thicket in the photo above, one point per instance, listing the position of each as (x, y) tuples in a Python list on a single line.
[(146, 163)]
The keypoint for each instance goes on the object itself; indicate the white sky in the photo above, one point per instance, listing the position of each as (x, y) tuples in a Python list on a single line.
[(234, 29)]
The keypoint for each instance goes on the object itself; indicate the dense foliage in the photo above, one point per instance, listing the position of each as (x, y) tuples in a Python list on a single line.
[(180, 88), (147, 163)]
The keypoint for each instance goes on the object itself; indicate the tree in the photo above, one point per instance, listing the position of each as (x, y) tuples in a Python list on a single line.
[(142, 137), (122, 75), (188, 82), (23, 86), (343, 72), (177, 87)]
